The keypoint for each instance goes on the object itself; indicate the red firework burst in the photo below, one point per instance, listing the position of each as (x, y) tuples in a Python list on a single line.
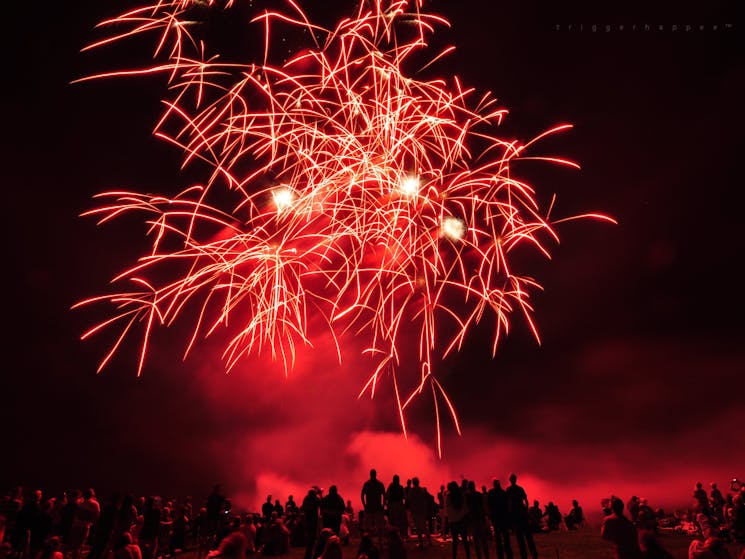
[(366, 195)]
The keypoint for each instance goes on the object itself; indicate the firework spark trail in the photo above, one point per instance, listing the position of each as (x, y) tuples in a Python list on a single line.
[(372, 199)]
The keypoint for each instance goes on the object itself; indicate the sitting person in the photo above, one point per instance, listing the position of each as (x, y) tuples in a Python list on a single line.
[(710, 548), (277, 536), (332, 549), (233, 546), (125, 549), (575, 518), (621, 532)]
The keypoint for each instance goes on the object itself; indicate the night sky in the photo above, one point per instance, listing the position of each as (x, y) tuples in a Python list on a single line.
[(637, 385)]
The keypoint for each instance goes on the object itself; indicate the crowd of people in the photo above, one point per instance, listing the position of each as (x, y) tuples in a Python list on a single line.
[(717, 519), (498, 520)]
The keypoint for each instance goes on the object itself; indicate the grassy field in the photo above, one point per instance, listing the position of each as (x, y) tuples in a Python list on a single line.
[(585, 544)]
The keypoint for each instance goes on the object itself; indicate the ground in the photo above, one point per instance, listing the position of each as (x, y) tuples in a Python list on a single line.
[(585, 544)]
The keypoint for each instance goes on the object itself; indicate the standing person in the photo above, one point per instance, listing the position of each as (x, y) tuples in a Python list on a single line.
[(10, 506), (394, 500), (443, 517), (455, 505), (278, 508), (104, 528), (69, 512), (633, 508), (267, 509), (150, 530), (700, 497), (621, 532), (373, 493), (291, 507), (417, 506), (477, 520), (310, 509), (500, 519), (517, 505), (717, 501), (332, 507), (86, 513), (213, 516), (179, 528)]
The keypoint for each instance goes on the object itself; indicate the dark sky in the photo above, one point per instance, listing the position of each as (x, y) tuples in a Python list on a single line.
[(638, 384)]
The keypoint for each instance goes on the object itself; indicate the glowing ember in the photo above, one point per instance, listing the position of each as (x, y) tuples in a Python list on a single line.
[(410, 186), (453, 228), (352, 238), (283, 198)]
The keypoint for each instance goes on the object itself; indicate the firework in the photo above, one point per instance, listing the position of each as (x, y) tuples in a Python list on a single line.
[(341, 187)]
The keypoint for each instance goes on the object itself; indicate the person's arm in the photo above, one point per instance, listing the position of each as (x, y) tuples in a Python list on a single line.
[(604, 534), (362, 498)]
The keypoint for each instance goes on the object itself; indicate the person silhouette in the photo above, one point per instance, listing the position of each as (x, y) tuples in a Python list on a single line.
[(372, 496), (497, 502), (394, 500), (457, 510), (517, 505), (621, 532), (332, 507)]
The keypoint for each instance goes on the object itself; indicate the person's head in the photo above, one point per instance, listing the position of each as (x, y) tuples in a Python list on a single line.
[(233, 546), (277, 503), (616, 505), (50, 546), (415, 481), (373, 474), (274, 516), (332, 549), (124, 540), (333, 490), (513, 479), (536, 504), (89, 494), (408, 483), (575, 503), (269, 499), (396, 479), (699, 485), (290, 499), (472, 486), (713, 485)]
